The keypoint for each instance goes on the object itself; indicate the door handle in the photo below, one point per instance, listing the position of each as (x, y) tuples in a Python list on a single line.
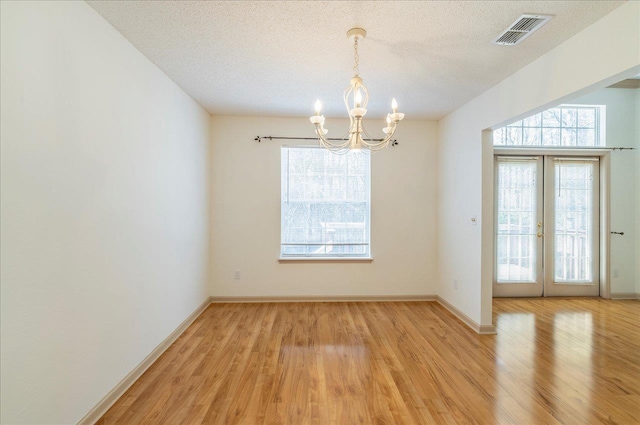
[(539, 234)]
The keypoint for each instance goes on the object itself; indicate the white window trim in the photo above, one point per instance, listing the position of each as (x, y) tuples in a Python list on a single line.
[(599, 128), (325, 259), (348, 258)]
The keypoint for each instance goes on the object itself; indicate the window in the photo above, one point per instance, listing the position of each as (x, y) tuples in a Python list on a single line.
[(566, 125), (325, 203)]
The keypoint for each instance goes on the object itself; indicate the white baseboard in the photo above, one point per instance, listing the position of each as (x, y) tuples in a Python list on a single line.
[(478, 328), (323, 298), (107, 401), (625, 296)]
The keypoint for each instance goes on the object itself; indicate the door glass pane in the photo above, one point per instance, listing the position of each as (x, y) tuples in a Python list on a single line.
[(516, 227), (573, 221)]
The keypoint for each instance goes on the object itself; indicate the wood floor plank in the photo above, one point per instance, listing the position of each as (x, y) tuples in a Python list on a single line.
[(553, 361)]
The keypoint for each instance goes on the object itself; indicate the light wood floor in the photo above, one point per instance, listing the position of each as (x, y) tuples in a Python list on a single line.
[(553, 362)]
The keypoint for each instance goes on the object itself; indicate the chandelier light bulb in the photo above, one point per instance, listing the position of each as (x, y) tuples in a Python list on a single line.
[(356, 94), (358, 98)]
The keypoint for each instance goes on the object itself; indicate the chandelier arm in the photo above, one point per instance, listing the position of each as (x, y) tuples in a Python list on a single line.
[(389, 136), (345, 98), (367, 144), (332, 145), (376, 146), (384, 144), (336, 149), (345, 136), (365, 99)]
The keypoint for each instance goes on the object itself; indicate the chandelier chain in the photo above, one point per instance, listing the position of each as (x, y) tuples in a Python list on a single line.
[(356, 58)]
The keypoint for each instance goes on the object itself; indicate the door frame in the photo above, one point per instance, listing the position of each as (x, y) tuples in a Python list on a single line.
[(605, 193)]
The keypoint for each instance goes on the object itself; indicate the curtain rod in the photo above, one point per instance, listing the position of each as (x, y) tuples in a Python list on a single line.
[(258, 139), (580, 148)]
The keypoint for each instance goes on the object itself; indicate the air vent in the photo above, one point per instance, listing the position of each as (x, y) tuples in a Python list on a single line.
[(521, 29)]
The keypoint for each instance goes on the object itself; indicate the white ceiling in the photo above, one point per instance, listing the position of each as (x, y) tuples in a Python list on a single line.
[(277, 58)]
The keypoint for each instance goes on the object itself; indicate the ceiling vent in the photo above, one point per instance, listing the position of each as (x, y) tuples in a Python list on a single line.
[(521, 29)]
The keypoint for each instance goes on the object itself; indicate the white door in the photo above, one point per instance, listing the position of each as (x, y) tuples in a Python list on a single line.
[(519, 215), (572, 219), (547, 226)]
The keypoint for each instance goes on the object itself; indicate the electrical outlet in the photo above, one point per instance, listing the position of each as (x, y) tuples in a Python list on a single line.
[(455, 284), (236, 274)]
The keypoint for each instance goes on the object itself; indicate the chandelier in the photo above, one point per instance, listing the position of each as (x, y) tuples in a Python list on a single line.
[(356, 97)]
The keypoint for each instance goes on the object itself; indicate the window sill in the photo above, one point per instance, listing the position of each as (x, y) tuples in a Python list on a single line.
[(325, 259)]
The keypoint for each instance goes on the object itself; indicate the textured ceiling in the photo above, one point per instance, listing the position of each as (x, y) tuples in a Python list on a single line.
[(277, 58)]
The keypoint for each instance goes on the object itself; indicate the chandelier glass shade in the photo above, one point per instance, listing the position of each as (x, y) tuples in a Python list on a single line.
[(356, 98)]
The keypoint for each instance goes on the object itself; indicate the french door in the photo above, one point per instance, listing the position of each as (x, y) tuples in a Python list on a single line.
[(547, 226)]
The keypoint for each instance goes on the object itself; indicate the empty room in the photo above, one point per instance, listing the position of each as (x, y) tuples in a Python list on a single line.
[(319, 212)]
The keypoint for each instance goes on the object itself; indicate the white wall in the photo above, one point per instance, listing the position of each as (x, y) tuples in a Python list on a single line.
[(603, 53), (622, 116), (104, 236), (246, 215), (637, 259)]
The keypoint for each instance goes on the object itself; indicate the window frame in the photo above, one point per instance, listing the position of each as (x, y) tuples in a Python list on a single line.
[(328, 257), (598, 129)]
